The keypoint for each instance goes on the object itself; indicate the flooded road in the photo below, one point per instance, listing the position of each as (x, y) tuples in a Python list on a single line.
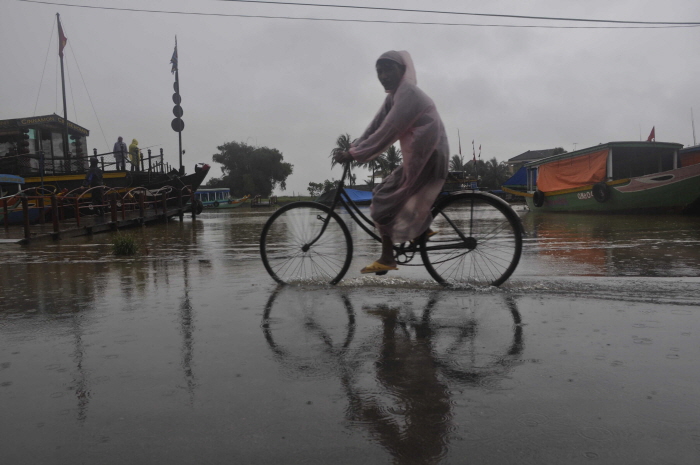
[(189, 353)]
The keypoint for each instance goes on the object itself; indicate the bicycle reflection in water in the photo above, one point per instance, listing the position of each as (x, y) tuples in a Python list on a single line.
[(400, 377)]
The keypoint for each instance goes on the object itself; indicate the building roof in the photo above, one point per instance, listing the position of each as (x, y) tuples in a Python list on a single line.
[(531, 155)]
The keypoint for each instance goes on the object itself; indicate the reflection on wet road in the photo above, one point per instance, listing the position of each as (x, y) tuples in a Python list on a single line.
[(399, 366), (190, 354)]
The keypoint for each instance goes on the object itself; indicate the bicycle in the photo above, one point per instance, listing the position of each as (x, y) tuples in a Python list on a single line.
[(479, 240)]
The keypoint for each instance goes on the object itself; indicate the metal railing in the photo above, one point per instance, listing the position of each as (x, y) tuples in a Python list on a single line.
[(38, 205), (38, 164)]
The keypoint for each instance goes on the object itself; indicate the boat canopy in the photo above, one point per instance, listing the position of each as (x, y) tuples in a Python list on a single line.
[(573, 172), (11, 179), (604, 162), (359, 196), (519, 179), (689, 156)]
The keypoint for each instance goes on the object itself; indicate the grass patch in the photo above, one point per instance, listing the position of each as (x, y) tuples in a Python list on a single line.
[(124, 244)]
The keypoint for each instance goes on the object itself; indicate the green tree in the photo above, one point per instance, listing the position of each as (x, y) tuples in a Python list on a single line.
[(250, 170), (457, 163), (391, 159), (343, 144), (318, 188), (492, 173), (315, 189), (377, 166)]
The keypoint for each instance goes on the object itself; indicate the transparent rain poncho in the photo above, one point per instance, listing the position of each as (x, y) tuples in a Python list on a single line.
[(401, 204)]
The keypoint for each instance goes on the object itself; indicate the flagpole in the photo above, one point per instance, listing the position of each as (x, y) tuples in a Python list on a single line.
[(179, 133), (461, 158), (66, 153)]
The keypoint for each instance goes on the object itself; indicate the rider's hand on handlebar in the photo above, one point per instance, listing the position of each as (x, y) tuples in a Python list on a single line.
[(343, 157)]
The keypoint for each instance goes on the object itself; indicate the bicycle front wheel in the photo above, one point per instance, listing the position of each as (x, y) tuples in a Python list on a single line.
[(479, 241), (306, 242)]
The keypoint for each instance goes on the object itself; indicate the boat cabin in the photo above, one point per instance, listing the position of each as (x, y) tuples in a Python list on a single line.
[(10, 185), (605, 162), (209, 196), (27, 142), (689, 155)]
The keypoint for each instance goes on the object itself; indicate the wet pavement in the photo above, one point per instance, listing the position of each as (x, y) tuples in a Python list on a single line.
[(189, 353)]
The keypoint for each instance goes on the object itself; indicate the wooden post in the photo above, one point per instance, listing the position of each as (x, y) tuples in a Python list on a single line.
[(54, 212), (6, 216), (180, 211), (194, 207), (77, 212), (162, 165), (150, 167), (103, 163), (165, 204), (40, 201), (25, 214), (113, 206), (142, 201)]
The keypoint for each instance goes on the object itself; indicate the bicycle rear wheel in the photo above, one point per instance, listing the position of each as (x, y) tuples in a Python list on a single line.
[(289, 252), (479, 241)]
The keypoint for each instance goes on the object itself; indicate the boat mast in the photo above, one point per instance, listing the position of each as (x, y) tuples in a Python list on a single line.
[(61, 44), (177, 124), (692, 120)]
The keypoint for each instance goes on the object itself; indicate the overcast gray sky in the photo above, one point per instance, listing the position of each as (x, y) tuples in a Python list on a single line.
[(296, 85)]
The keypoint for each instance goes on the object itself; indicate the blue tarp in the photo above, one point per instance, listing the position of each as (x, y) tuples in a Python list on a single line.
[(518, 179), (359, 196), (11, 178)]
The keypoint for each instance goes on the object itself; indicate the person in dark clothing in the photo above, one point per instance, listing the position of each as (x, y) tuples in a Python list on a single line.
[(93, 178)]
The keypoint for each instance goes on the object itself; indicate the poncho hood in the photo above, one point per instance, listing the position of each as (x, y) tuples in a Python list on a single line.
[(403, 58)]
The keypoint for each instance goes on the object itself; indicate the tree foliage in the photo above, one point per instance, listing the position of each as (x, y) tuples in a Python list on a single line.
[(250, 170), (342, 144), (490, 173), (318, 188), (457, 163)]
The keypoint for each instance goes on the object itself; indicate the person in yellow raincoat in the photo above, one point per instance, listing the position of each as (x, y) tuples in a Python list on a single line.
[(135, 155)]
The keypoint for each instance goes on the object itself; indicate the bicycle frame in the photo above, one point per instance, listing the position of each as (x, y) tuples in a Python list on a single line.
[(342, 199)]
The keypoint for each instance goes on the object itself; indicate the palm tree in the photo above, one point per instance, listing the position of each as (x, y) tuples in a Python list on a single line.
[(493, 173), (457, 163), (343, 144), (391, 160), (377, 165)]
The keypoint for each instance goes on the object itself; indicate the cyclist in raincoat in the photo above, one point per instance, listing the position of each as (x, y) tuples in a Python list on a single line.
[(401, 204)]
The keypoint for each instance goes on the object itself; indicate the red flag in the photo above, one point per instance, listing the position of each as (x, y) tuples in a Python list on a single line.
[(460, 143), (62, 39), (652, 135)]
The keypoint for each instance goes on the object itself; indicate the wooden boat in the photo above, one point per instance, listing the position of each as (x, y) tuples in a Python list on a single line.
[(50, 153), (219, 198), (615, 177), (32, 148)]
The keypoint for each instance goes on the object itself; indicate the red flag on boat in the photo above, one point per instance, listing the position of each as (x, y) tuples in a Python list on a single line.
[(652, 135), (62, 39)]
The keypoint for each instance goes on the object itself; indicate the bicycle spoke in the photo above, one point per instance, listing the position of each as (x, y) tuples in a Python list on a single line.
[(481, 241), (305, 241)]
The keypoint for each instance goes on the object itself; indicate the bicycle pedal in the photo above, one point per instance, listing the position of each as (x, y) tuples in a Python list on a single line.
[(381, 273)]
